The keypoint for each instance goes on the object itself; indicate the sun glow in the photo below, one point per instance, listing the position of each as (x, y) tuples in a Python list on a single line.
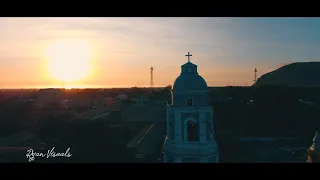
[(68, 60)]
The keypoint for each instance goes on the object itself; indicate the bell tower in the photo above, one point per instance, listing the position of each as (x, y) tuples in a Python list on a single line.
[(190, 131)]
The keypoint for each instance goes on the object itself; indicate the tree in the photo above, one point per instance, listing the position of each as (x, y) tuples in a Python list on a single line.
[(168, 87)]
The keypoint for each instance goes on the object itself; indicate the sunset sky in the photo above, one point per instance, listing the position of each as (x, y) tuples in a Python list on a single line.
[(118, 52)]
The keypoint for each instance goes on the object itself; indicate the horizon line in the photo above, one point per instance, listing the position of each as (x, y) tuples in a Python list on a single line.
[(142, 87)]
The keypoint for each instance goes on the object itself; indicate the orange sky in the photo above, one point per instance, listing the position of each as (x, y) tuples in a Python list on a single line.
[(118, 52)]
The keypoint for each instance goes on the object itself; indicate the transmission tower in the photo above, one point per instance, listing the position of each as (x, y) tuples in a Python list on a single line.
[(255, 75), (151, 77)]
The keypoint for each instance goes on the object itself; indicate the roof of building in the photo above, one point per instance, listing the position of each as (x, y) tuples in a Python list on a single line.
[(16, 139), (140, 98), (144, 113), (124, 96), (189, 79), (160, 96), (94, 113), (138, 138), (152, 141)]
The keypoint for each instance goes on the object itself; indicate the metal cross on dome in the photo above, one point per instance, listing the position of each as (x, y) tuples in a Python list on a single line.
[(188, 56)]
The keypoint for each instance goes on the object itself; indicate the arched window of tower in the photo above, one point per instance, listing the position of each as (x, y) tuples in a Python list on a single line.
[(193, 131), (189, 102)]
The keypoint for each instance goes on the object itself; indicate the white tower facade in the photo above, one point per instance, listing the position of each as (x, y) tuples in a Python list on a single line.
[(190, 131)]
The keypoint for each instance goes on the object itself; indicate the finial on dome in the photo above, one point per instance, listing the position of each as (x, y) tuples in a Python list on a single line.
[(188, 56)]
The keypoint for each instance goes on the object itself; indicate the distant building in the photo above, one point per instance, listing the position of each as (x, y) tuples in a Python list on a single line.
[(82, 103), (93, 115), (149, 114), (46, 96), (160, 103), (160, 98), (306, 102), (49, 94), (49, 103), (141, 100), (109, 101), (190, 132), (97, 102), (87, 103), (122, 97)]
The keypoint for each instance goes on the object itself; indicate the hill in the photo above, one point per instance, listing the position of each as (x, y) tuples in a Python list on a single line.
[(300, 74)]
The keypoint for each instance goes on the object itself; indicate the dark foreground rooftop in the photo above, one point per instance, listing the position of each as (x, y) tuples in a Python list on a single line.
[(263, 150)]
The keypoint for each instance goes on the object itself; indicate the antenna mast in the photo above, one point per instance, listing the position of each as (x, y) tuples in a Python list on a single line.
[(151, 77), (255, 75)]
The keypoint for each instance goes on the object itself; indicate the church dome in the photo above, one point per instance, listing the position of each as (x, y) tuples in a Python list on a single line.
[(189, 79)]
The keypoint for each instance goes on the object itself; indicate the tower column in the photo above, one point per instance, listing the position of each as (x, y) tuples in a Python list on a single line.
[(177, 127), (202, 127), (165, 159), (212, 127), (168, 126)]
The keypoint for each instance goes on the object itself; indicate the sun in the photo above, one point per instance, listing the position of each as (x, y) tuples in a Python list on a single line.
[(68, 60)]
